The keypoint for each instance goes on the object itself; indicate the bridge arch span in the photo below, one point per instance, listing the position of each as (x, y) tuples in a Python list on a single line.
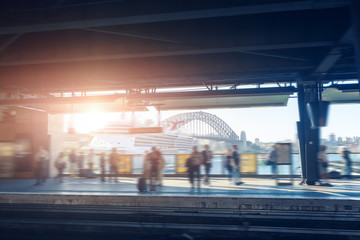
[(222, 128)]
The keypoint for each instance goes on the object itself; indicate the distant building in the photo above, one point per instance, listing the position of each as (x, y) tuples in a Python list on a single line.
[(257, 141), (243, 144), (339, 140), (332, 140)]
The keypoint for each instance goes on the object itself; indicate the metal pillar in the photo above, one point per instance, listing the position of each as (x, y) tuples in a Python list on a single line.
[(355, 11), (309, 139)]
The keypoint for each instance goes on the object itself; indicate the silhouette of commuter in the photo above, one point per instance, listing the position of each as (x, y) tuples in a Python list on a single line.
[(73, 162), (161, 166), (80, 163), (102, 166), (236, 169), (229, 164), (154, 159), (347, 169), (323, 164), (91, 158), (60, 165), (146, 166), (113, 159), (272, 161), (41, 163), (207, 157), (193, 164)]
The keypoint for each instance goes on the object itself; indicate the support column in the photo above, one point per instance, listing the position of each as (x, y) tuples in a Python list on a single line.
[(309, 138), (355, 12)]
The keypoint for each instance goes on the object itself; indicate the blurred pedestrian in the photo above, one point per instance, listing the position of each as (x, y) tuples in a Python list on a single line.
[(73, 162), (161, 166), (229, 164), (207, 158), (193, 163), (347, 169), (41, 163), (102, 166), (272, 161), (80, 164), (146, 166), (114, 161), (323, 163), (154, 160), (60, 165), (91, 158), (236, 168)]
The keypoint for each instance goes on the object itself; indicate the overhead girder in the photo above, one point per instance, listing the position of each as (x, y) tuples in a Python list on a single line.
[(77, 23)]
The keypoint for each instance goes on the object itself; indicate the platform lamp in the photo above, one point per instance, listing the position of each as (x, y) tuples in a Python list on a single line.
[(318, 112)]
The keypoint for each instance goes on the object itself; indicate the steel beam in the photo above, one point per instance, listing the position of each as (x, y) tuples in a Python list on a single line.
[(9, 42), (335, 53), (174, 16), (171, 53)]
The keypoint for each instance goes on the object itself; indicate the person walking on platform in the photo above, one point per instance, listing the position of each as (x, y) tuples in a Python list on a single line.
[(90, 159), (41, 164), (207, 157), (229, 164), (80, 164), (236, 169), (102, 166), (60, 165), (347, 169), (323, 164), (160, 168), (146, 166), (73, 161), (113, 159), (154, 160), (272, 161), (193, 164)]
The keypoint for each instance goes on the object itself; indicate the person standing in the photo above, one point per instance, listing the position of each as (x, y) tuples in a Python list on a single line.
[(161, 166), (194, 163), (113, 159), (80, 164), (73, 161), (347, 170), (154, 160), (41, 163), (60, 165), (207, 157), (91, 159), (102, 166), (229, 164), (236, 169), (146, 166), (323, 163), (272, 161)]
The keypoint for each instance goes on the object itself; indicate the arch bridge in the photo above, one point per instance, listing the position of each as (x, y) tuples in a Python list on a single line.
[(202, 125)]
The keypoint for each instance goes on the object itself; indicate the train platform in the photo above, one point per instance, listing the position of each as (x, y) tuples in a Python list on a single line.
[(177, 186), (80, 208)]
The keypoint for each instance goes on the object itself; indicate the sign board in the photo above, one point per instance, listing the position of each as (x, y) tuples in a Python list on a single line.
[(283, 153), (181, 163), (248, 162), (125, 164)]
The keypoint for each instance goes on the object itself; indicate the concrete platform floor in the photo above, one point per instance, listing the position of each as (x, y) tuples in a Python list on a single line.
[(252, 188)]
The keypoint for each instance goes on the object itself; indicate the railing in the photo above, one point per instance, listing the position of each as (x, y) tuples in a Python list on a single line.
[(174, 164)]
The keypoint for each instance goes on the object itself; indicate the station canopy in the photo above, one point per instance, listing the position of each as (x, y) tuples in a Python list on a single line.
[(54, 53)]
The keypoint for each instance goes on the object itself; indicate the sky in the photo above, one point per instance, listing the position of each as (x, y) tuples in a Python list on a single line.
[(269, 124)]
